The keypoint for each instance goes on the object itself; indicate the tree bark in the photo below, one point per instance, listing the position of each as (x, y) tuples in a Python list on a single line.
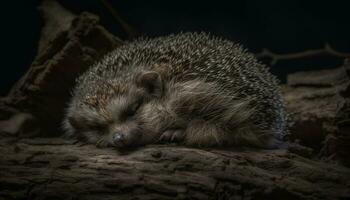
[(55, 168)]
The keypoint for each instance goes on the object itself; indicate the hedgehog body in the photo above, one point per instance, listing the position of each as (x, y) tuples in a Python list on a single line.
[(190, 88)]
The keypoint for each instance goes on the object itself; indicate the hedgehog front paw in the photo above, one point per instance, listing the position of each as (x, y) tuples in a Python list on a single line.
[(172, 135)]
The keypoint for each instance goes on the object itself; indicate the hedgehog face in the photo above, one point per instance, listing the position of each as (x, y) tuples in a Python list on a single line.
[(124, 128), (118, 120)]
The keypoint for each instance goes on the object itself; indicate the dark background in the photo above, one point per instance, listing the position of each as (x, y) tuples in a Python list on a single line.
[(283, 26)]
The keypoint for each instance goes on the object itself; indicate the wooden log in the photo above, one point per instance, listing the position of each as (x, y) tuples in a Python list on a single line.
[(53, 168)]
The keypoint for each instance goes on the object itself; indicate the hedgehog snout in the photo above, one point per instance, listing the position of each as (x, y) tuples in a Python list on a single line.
[(124, 134), (119, 139)]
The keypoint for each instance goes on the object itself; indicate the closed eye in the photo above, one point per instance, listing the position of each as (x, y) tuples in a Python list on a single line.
[(131, 110), (83, 124), (97, 127)]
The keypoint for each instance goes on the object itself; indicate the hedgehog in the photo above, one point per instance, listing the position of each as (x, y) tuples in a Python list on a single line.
[(193, 89)]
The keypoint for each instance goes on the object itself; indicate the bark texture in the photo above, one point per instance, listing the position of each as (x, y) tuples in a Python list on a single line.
[(60, 169), (319, 107), (69, 44)]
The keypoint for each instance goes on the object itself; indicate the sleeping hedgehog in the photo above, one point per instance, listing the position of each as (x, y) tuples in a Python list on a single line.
[(190, 88)]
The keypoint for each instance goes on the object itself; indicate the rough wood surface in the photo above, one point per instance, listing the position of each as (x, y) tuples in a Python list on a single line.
[(319, 106), (61, 169), (69, 44)]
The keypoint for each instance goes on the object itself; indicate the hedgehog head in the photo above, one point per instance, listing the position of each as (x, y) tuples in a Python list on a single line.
[(113, 114)]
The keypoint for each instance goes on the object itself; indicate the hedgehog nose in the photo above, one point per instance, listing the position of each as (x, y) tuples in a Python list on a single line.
[(118, 139)]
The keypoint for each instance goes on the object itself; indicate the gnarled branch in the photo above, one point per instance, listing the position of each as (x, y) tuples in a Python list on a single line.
[(275, 57)]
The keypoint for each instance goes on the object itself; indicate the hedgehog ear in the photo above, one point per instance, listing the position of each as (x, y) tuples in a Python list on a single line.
[(151, 81)]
